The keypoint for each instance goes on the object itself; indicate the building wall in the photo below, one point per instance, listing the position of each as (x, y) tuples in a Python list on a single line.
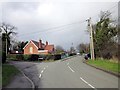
[(27, 49), (43, 52)]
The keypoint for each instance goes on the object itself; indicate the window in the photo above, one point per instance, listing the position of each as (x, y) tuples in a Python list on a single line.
[(31, 49)]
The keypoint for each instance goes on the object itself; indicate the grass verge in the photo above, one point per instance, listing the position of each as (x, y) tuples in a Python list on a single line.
[(8, 71), (106, 65)]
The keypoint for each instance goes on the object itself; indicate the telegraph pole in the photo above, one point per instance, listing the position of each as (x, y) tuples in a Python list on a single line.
[(6, 46), (91, 38)]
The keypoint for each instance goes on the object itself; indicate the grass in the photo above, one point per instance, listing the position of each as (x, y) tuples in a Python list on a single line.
[(8, 71), (106, 65), (0, 75)]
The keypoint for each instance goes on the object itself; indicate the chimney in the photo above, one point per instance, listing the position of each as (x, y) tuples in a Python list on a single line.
[(40, 43), (46, 43)]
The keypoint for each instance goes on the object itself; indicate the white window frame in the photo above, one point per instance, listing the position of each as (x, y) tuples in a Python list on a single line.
[(31, 49)]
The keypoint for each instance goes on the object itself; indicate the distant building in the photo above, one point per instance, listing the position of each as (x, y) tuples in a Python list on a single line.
[(34, 47)]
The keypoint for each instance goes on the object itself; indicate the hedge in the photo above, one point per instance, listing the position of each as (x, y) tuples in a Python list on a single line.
[(32, 57)]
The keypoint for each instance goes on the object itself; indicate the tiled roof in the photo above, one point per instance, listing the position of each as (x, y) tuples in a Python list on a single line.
[(36, 43), (49, 48)]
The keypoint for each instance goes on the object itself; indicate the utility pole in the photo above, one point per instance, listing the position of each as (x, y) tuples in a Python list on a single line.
[(91, 38), (6, 46)]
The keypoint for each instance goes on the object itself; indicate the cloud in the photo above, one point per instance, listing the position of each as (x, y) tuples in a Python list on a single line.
[(34, 20)]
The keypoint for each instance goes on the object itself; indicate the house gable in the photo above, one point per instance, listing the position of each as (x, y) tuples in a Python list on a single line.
[(31, 41), (30, 48), (33, 47)]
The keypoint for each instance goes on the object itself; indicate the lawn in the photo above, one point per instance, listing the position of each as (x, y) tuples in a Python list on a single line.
[(105, 64), (0, 75), (8, 71)]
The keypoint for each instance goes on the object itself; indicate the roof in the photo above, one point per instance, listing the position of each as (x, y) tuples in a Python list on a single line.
[(35, 42), (49, 48)]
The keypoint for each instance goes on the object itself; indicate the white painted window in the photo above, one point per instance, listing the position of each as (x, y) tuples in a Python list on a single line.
[(31, 49)]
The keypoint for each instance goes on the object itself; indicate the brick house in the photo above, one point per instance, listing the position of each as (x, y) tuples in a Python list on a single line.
[(34, 47)]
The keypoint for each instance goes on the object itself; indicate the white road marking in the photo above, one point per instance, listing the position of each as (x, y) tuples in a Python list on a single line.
[(40, 76), (87, 82), (71, 69), (44, 68), (33, 86), (42, 71)]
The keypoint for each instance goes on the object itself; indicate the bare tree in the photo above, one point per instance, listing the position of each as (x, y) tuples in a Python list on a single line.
[(7, 31), (83, 48)]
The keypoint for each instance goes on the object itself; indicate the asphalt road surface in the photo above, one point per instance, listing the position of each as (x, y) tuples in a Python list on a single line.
[(71, 73)]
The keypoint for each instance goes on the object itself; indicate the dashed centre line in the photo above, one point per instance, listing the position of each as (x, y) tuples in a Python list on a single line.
[(40, 76), (71, 69), (87, 83), (82, 78), (42, 72)]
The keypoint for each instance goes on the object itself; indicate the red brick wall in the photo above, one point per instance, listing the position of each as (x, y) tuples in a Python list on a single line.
[(43, 53), (27, 49)]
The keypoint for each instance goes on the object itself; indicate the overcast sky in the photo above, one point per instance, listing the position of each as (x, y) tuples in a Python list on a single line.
[(51, 21)]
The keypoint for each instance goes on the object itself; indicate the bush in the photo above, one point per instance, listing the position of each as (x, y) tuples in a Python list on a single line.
[(11, 56), (19, 57), (26, 57), (33, 57), (49, 57), (46, 57), (15, 57), (57, 56)]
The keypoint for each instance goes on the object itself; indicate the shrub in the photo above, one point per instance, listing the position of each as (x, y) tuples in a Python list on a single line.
[(33, 57), (15, 57), (46, 57), (49, 57), (57, 56), (19, 57), (26, 57), (11, 56)]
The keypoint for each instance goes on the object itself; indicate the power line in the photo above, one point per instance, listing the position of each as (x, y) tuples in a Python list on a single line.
[(52, 31), (52, 28), (49, 29)]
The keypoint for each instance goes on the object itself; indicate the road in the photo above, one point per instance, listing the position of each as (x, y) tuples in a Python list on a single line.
[(71, 73)]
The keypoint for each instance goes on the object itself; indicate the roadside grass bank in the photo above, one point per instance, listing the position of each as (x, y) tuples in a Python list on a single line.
[(105, 65), (8, 72)]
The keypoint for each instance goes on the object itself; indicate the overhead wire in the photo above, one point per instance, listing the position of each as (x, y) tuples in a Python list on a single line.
[(51, 29)]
